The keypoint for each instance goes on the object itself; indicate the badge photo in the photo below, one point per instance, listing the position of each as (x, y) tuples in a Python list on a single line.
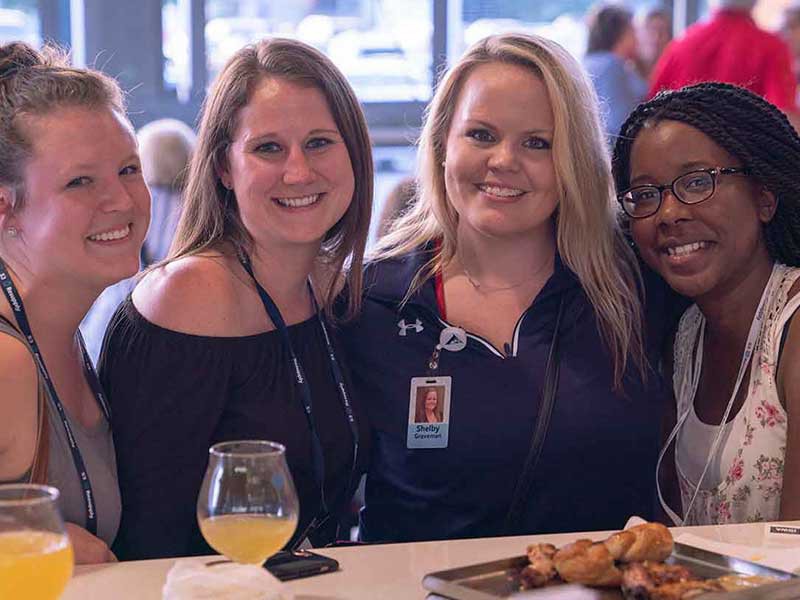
[(429, 412)]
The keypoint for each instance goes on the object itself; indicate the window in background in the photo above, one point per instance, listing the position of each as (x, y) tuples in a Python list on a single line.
[(561, 21), (175, 46), (382, 46), (19, 20)]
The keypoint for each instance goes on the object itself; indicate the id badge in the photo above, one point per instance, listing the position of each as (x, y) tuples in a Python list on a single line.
[(429, 412)]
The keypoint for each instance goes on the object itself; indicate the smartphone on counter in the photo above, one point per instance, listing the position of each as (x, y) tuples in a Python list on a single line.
[(299, 563)]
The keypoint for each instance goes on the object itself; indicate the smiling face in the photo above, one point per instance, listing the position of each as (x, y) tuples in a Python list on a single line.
[(705, 248), (288, 165), (86, 206), (499, 171), (431, 400)]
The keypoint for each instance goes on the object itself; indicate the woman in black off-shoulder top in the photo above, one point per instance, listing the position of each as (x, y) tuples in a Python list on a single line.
[(175, 394), (277, 199)]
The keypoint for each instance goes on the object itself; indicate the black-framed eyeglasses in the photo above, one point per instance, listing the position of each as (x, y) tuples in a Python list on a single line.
[(694, 187)]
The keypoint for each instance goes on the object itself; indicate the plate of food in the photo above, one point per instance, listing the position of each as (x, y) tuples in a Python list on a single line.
[(640, 563)]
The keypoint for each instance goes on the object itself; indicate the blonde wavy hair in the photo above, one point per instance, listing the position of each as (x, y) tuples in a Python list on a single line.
[(589, 239)]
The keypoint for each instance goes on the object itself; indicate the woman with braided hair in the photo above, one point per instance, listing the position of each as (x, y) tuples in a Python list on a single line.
[(709, 180)]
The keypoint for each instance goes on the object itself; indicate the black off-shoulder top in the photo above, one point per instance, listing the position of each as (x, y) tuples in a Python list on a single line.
[(174, 394)]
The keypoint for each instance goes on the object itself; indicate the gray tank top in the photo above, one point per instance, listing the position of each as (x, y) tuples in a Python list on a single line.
[(97, 449)]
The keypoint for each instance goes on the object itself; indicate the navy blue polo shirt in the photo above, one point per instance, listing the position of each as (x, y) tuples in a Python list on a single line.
[(598, 461)]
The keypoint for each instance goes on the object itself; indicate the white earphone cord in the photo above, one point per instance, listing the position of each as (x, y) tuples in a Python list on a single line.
[(752, 338)]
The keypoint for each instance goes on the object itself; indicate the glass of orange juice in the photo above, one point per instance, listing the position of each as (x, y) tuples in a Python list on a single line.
[(35, 552), (247, 507)]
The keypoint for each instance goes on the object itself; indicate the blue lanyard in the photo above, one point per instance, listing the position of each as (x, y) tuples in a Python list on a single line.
[(15, 301), (317, 456)]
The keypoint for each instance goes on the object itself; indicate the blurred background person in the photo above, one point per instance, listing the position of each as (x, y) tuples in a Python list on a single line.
[(610, 54), (654, 30), (790, 29), (165, 147), (397, 202), (729, 47)]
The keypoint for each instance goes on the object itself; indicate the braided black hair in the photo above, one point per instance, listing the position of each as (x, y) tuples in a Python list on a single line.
[(747, 127)]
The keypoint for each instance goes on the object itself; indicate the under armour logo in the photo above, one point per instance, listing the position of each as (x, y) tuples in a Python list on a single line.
[(416, 326)]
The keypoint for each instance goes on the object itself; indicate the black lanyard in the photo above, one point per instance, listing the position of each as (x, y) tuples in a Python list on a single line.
[(317, 457), (15, 301)]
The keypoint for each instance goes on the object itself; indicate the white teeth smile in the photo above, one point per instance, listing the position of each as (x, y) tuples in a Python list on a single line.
[(298, 202), (686, 249), (504, 192), (107, 236)]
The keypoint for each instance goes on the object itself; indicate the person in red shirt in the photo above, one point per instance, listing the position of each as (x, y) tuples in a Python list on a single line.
[(731, 48)]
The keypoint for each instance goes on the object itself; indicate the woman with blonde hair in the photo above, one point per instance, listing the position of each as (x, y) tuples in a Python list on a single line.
[(229, 337), (510, 285)]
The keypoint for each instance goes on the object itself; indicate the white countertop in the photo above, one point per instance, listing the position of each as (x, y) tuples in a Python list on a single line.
[(385, 571)]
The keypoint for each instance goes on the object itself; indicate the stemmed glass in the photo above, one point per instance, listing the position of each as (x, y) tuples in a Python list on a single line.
[(247, 508), (35, 553)]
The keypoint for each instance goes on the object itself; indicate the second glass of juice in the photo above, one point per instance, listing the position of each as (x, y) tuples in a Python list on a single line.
[(247, 507), (35, 553)]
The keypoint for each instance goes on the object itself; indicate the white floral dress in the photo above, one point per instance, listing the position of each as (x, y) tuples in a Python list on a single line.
[(753, 455)]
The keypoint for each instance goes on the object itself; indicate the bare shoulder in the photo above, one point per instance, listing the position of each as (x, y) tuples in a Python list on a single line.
[(793, 335), (19, 407), (789, 378), (16, 362), (199, 295)]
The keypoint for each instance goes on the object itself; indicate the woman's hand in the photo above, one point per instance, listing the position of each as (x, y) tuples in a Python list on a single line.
[(89, 550)]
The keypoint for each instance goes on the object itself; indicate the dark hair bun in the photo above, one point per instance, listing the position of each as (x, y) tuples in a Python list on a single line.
[(16, 56)]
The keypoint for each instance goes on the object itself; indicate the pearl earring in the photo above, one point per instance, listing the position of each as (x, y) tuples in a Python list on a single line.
[(12, 231)]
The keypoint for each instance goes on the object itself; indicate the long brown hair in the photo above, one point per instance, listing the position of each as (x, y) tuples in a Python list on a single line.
[(588, 235), (211, 215)]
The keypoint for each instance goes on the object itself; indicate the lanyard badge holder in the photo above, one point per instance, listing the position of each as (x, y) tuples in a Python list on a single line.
[(18, 308), (689, 388), (430, 397), (322, 518)]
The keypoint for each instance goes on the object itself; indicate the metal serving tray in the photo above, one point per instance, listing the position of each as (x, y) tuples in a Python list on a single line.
[(500, 579)]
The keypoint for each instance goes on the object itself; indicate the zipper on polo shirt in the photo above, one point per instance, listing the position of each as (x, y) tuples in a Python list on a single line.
[(477, 338), (481, 340), (515, 338), (470, 336)]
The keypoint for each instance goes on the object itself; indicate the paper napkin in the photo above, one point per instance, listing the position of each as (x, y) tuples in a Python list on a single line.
[(779, 557), (194, 580)]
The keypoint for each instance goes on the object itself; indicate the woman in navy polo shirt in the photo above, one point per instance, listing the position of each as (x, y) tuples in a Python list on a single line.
[(507, 280)]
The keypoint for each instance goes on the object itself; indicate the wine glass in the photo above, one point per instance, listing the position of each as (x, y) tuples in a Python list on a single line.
[(35, 552), (247, 508)]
